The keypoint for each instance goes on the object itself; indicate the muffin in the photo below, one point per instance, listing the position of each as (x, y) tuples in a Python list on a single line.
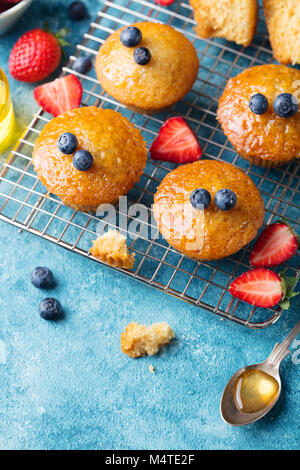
[(147, 66), (234, 20), (258, 112), (117, 150), (210, 227), (283, 20)]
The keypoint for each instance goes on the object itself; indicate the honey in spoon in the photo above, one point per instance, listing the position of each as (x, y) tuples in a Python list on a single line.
[(255, 390)]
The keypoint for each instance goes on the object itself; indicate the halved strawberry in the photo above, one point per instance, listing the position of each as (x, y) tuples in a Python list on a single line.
[(260, 287), (164, 2), (264, 288), (176, 142), (275, 245), (60, 95)]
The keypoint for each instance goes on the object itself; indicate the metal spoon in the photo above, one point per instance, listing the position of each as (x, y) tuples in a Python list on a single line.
[(230, 412)]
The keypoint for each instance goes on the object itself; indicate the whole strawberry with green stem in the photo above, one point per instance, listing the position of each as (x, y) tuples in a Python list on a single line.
[(36, 55)]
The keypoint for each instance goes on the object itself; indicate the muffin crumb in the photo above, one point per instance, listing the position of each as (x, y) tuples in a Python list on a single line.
[(139, 340), (112, 249), (151, 369)]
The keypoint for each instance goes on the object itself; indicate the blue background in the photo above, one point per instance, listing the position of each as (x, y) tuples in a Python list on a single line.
[(66, 385)]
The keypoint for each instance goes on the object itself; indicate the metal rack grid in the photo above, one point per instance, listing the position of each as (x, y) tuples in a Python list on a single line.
[(25, 203)]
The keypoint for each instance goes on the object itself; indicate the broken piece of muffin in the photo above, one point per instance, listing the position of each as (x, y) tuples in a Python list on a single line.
[(111, 248), (283, 20), (234, 20), (139, 340)]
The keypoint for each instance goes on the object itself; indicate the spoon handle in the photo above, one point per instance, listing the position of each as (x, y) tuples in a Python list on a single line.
[(281, 350)]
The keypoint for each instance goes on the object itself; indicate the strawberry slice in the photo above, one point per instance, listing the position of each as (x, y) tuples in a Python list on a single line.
[(60, 95), (275, 245), (176, 142), (164, 2), (260, 287)]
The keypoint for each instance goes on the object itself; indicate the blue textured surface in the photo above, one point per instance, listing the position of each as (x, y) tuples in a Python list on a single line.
[(66, 385)]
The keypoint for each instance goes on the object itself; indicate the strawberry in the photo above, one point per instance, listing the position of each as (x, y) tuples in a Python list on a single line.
[(264, 288), (164, 2), (60, 95), (176, 142), (275, 245), (36, 55)]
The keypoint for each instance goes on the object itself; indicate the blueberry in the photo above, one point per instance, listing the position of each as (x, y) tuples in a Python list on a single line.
[(142, 55), (82, 160), (130, 36), (200, 198), (77, 11), (285, 105), (258, 104), (82, 64), (50, 308), (41, 277), (67, 143), (225, 199)]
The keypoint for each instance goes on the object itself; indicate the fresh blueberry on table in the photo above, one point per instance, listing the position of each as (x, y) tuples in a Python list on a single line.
[(285, 105), (41, 277), (142, 55), (77, 11), (131, 36), (200, 199), (258, 104), (225, 199), (82, 160), (82, 64), (50, 308), (67, 143)]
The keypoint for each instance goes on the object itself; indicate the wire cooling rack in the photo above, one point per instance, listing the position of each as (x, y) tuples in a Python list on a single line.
[(25, 203)]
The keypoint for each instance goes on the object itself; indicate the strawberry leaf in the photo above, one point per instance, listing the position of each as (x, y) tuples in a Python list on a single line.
[(60, 35), (46, 27), (284, 303), (63, 32), (63, 43), (288, 285)]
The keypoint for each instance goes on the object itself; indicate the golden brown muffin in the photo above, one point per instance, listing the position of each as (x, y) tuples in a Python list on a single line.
[(267, 139), (118, 149), (283, 22), (139, 340), (112, 249), (165, 79), (211, 233), (234, 20)]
